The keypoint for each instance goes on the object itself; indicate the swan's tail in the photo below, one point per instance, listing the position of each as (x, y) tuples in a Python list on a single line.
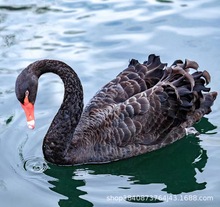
[(187, 91), (184, 99), (190, 90)]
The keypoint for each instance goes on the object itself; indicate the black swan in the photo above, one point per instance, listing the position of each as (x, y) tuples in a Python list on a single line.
[(146, 107)]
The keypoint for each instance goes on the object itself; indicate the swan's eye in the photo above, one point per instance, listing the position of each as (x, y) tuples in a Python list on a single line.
[(26, 93), (26, 99)]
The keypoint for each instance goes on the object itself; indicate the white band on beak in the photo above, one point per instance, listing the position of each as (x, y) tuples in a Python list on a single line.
[(31, 124)]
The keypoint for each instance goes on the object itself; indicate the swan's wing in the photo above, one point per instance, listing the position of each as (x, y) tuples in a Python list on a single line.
[(147, 101), (148, 117), (133, 80)]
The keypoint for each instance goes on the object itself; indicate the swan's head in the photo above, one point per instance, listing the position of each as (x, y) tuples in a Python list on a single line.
[(26, 90)]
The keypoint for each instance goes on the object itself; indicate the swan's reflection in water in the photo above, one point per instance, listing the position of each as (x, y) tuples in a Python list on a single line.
[(170, 170)]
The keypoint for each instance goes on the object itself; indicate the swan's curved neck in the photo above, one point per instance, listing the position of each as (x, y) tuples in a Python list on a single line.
[(62, 128)]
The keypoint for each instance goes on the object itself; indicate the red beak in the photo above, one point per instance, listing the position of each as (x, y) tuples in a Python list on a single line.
[(29, 112)]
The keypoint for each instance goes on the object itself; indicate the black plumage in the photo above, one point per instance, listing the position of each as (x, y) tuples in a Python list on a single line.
[(146, 107)]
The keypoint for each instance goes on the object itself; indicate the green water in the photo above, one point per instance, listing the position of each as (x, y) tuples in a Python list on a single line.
[(97, 38)]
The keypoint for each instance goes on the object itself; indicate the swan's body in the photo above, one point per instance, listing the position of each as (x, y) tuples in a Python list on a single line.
[(146, 107)]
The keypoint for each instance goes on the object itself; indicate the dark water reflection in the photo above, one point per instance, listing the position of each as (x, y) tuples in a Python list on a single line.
[(175, 167)]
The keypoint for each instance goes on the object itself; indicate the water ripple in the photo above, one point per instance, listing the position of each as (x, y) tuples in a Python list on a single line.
[(35, 165)]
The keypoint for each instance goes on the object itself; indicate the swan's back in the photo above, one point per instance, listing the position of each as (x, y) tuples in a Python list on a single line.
[(146, 107)]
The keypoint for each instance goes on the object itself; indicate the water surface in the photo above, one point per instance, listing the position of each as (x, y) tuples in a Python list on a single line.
[(97, 38)]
